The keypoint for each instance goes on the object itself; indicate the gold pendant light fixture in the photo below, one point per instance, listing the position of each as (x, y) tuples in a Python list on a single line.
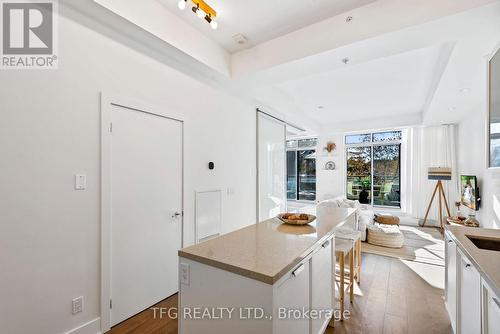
[(202, 10)]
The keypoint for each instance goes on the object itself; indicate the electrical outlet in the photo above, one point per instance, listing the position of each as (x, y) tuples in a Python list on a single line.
[(78, 305), (184, 273)]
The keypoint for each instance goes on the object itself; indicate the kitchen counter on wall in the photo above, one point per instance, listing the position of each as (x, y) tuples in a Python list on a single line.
[(486, 261), (268, 250)]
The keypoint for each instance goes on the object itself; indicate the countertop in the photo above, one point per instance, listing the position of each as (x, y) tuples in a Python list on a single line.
[(486, 261), (268, 250)]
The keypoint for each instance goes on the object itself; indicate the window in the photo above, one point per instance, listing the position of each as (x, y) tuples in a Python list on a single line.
[(301, 169), (374, 168)]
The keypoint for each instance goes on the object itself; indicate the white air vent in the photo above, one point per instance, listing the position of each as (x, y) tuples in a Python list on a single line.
[(240, 39)]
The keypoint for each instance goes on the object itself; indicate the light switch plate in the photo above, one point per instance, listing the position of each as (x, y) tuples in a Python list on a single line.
[(80, 182)]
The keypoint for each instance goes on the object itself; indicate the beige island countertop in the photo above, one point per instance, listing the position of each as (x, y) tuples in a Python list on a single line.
[(268, 250), (486, 261)]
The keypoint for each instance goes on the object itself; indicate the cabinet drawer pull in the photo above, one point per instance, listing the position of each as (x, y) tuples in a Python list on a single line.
[(450, 241), (467, 265), (325, 244), (297, 271)]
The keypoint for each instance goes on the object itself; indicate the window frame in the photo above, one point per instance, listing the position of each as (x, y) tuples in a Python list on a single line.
[(372, 144)]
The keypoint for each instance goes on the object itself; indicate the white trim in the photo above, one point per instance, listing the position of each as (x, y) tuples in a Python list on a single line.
[(91, 327), (487, 121), (107, 101)]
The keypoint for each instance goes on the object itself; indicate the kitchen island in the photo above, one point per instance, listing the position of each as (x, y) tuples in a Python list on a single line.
[(265, 278)]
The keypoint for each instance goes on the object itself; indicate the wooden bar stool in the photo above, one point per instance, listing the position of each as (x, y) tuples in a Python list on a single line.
[(343, 248), (355, 238)]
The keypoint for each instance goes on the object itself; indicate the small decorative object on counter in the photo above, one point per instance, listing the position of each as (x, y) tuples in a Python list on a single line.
[(330, 165), (330, 146), (471, 221), (456, 220)]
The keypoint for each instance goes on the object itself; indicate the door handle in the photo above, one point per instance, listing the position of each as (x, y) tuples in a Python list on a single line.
[(297, 271), (176, 214)]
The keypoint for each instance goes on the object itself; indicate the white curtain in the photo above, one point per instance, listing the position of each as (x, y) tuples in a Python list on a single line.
[(431, 147)]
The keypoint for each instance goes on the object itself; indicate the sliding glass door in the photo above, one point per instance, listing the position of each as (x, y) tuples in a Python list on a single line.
[(301, 169), (306, 164), (291, 175), (359, 177), (386, 175)]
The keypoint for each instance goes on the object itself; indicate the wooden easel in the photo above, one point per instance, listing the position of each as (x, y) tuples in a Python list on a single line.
[(442, 197)]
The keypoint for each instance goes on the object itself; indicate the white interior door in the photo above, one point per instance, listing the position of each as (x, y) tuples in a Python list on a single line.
[(271, 167), (146, 194)]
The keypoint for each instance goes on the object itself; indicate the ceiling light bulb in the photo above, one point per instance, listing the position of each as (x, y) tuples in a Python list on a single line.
[(214, 24), (181, 4), (200, 13)]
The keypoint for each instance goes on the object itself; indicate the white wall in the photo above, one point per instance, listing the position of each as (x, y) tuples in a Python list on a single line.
[(330, 183), (49, 131), (472, 161)]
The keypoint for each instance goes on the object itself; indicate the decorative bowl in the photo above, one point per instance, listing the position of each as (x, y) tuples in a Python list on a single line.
[(294, 221)]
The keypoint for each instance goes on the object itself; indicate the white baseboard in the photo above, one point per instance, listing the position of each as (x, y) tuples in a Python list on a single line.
[(91, 327)]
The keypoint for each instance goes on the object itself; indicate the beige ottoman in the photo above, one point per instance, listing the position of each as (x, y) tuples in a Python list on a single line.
[(385, 235)]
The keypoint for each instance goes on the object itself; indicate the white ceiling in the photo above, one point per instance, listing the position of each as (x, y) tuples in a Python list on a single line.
[(409, 59), (262, 20), (386, 87)]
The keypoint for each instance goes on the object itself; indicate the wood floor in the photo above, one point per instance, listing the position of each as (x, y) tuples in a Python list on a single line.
[(392, 298)]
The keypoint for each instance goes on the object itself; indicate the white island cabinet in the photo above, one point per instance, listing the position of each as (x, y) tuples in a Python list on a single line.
[(267, 278), (472, 281)]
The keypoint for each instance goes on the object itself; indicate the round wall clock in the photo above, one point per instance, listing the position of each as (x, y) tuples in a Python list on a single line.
[(330, 165)]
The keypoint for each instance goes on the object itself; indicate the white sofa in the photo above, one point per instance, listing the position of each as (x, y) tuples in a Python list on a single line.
[(365, 215)]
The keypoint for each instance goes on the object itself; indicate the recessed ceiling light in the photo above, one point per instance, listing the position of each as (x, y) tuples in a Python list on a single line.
[(465, 90), (346, 60), (452, 108), (321, 107)]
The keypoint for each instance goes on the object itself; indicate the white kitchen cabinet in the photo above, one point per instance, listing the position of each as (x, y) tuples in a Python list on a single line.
[(451, 280), (491, 310), (322, 292), (293, 294), (470, 297)]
